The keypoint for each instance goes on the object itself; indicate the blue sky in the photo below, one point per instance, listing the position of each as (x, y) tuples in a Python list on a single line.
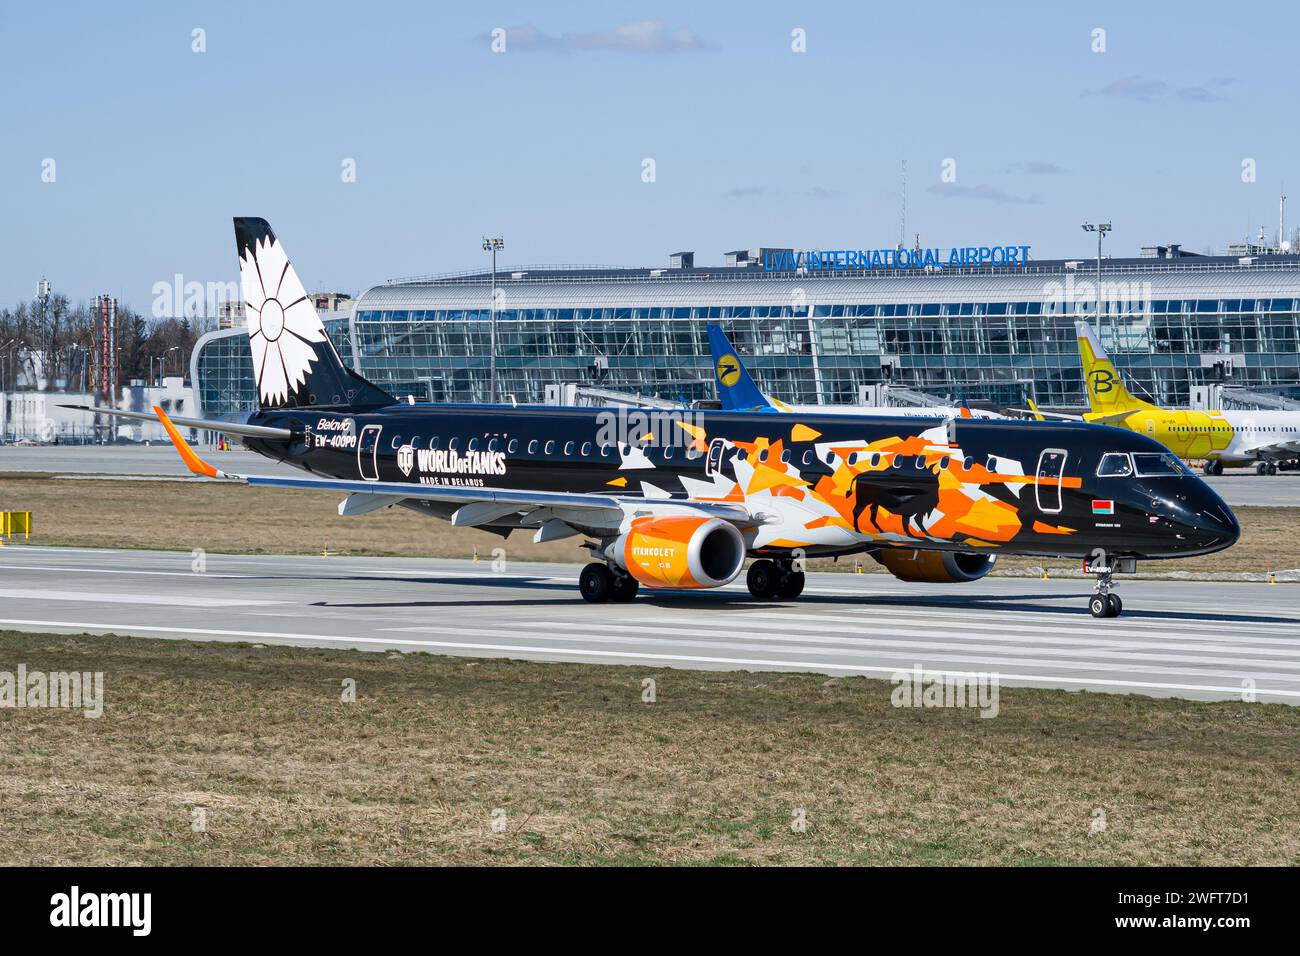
[(156, 147)]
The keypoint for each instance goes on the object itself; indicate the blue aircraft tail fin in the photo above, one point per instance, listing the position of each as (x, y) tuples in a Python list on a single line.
[(735, 388)]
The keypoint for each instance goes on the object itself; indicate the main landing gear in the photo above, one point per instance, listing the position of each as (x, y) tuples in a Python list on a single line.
[(599, 583), (769, 580), (1105, 603), (1266, 468), (1214, 467)]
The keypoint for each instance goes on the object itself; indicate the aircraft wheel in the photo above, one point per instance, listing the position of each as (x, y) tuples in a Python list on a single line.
[(1261, 468), (596, 583), (1098, 606), (1272, 468), (791, 586), (1114, 605), (624, 588), (763, 579)]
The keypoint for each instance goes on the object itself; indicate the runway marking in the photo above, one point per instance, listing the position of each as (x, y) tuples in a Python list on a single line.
[(909, 654), (197, 575), (104, 597), (1068, 645), (815, 667), (1006, 621)]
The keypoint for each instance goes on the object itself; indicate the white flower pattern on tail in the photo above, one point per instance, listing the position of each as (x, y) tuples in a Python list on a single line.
[(283, 326)]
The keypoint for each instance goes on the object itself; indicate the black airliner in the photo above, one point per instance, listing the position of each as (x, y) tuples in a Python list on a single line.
[(680, 498)]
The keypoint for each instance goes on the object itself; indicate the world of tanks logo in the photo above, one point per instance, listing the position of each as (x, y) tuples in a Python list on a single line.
[(406, 459)]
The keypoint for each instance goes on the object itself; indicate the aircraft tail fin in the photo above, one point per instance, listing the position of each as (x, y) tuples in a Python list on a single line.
[(736, 389), (1107, 394), (294, 361)]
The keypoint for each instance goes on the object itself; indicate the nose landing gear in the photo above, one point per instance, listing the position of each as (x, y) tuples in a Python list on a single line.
[(1105, 603)]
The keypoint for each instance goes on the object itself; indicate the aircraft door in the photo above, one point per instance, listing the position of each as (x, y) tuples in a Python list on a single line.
[(1047, 489), (368, 452)]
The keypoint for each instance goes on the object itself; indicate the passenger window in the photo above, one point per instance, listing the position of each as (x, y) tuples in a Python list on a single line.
[(586, 449), (492, 445), (898, 461), (549, 448), (920, 462), (433, 442), (968, 463), (875, 459), (568, 448), (808, 457), (692, 453), (853, 458), (512, 446), (1115, 464), (397, 441), (473, 445), (532, 447), (762, 455), (453, 444), (785, 456), (604, 451), (668, 452)]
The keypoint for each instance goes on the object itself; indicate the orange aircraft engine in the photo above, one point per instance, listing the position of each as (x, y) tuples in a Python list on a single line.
[(680, 551), (942, 567)]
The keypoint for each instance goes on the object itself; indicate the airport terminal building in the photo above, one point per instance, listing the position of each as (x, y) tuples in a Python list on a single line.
[(813, 330)]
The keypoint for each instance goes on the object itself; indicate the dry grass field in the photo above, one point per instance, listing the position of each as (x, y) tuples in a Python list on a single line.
[(231, 518), (580, 771)]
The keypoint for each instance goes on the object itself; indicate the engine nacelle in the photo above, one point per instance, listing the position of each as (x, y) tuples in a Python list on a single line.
[(680, 551), (943, 567)]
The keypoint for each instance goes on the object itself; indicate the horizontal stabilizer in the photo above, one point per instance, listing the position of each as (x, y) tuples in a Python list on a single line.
[(226, 428)]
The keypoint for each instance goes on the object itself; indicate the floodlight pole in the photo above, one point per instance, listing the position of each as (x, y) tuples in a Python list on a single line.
[(1100, 229), (493, 246)]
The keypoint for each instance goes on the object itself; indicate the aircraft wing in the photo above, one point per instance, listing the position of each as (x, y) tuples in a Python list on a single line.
[(1269, 449), (551, 511), (1039, 415), (228, 428)]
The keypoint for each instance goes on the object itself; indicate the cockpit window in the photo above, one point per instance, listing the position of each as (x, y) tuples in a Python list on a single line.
[(1157, 465), (1115, 464)]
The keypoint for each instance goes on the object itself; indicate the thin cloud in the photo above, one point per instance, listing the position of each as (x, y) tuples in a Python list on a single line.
[(1206, 93), (987, 193), (1034, 167), (747, 192), (642, 36), (1150, 90)]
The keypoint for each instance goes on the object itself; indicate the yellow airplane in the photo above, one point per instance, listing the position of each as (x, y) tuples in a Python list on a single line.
[(1219, 438)]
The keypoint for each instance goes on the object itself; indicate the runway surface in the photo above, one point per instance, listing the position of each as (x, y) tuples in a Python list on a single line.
[(1236, 488), (141, 460), (1201, 640)]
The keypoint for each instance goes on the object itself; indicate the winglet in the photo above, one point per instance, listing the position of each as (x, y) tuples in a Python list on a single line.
[(192, 461)]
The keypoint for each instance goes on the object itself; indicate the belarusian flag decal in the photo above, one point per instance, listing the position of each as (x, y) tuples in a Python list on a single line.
[(1103, 507)]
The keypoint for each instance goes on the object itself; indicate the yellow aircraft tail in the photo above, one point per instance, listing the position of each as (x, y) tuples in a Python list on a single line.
[(1107, 394)]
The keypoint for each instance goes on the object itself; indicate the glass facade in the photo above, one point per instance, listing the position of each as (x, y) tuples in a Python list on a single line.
[(222, 368), (968, 345)]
